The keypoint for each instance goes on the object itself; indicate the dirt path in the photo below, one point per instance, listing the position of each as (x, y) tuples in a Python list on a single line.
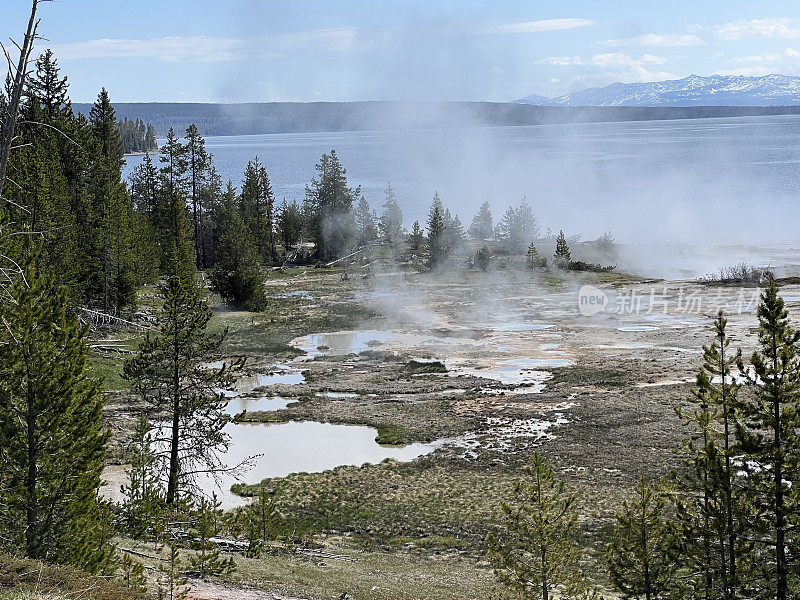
[(209, 590)]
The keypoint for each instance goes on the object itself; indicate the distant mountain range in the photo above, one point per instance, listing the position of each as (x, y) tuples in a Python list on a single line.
[(716, 90)]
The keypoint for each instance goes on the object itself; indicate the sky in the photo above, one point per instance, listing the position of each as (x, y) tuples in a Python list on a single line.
[(345, 50)]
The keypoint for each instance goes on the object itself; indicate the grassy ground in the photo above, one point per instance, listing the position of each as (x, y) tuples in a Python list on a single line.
[(22, 579)]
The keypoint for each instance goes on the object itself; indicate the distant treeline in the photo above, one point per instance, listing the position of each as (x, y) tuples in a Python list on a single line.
[(137, 136), (289, 117)]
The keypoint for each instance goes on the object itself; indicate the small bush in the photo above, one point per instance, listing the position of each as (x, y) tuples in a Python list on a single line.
[(579, 265), (425, 366)]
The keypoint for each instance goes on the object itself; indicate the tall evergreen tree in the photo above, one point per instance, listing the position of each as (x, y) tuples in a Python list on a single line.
[(453, 231), (518, 226), (562, 255), (366, 231), (416, 239), (104, 123), (258, 208), (197, 164), (769, 437), (113, 210), (144, 189), (236, 275), (143, 493), (331, 201), (537, 554), (533, 260), (482, 227), (714, 513), (171, 374), (174, 166), (640, 555), (52, 441), (48, 86), (437, 250), (391, 222), (178, 257), (290, 225)]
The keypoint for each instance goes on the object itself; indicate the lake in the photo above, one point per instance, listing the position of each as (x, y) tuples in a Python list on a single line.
[(731, 179)]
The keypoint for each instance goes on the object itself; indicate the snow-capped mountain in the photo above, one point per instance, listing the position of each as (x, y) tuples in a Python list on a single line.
[(716, 90)]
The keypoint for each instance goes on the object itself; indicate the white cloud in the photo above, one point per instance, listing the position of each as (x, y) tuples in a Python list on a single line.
[(767, 63), (544, 25), (775, 27), (661, 40), (610, 59), (618, 59), (559, 61), (217, 49)]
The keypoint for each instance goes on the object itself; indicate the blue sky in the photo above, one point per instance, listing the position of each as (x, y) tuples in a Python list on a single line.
[(295, 50)]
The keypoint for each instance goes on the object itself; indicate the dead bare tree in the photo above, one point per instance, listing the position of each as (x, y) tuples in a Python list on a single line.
[(18, 75)]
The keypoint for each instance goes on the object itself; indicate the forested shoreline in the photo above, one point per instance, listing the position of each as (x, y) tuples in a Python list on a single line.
[(307, 117)]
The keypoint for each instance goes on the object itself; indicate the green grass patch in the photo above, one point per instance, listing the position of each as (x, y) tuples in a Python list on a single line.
[(582, 375), (110, 370), (390, 435), (425, 366)]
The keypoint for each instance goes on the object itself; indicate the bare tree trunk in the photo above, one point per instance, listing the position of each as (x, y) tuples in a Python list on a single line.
[(17, 87)]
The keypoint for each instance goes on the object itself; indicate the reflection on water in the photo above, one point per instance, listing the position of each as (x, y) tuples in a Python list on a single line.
[(238, 404), (343, 342), (511, 327), (295, 447)]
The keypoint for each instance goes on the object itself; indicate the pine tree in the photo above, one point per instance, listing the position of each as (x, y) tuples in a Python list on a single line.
[(48, 86), (640, 560), (536, 553), (533, 260), (150, 141), (391, 222), (113, 210), (453, 231), (236, 275), (174, 166), (169, 373), (131, 573), (562, 254), (330, 201), (176, 587), (178, 257), (366, 231), (197, 164), (144, 492), (482, 227), (768, 435), (290, 225), (416, 240), (144, 189), (207, 559), (52, 440), (517, 226), (436, 232), (258, 208), (714, 513), (260, 523), (482, 258), (104, 123)]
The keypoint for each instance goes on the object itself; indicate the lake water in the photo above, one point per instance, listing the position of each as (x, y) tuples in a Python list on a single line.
[(732, 179)]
